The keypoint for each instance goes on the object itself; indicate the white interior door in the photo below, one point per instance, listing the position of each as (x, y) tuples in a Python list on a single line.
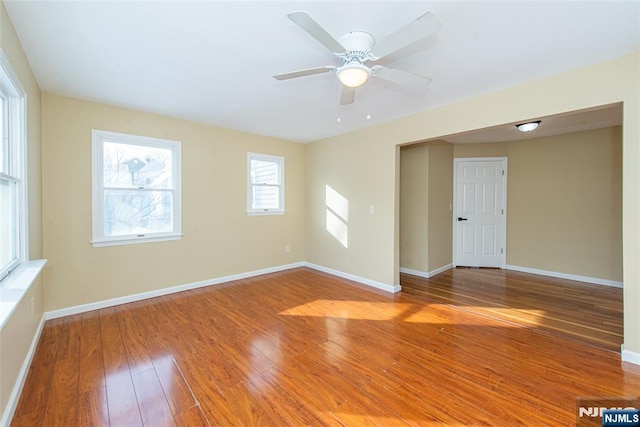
[(480, 220)]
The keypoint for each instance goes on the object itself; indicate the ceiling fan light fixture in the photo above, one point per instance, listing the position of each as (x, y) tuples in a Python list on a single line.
[(353, 74), (529, 126), (356, 48)]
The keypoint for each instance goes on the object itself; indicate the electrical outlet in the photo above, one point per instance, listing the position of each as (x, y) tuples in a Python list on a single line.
[(287, 248), (372, 209)]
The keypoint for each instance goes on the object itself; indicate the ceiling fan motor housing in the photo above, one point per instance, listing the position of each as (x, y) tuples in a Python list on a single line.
[(357, 45)]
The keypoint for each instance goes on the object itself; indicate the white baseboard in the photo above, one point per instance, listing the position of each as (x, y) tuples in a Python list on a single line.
[(585, 279), (440, 270), (425, 274), (165, 291), (12, 403), (363, 280), (414, 272), (216, 281), (629, 356)]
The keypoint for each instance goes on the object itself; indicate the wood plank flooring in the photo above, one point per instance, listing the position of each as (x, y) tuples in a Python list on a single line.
[(582, 311), (305, 348)]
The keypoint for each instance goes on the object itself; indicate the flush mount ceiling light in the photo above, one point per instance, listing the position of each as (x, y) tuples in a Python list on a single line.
[(353, 74), (529, 126)]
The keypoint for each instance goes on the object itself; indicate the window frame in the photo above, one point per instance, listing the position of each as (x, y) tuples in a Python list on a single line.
[(98, 138), (15, 132), (280, 161)]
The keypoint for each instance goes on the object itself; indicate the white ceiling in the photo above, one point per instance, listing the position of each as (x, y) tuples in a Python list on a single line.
[(575, 121), (212, 61)]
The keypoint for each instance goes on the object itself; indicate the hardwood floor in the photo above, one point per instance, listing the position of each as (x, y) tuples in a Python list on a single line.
[(305, 348), (582, 311)]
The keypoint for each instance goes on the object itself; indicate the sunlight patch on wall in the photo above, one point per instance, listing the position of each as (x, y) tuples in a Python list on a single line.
[(337, 203), (337, 215), (337, 228)]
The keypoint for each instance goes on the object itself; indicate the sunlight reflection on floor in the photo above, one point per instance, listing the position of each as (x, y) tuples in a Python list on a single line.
[(433, 313), (411, 313), (357, 310), (365, 420)]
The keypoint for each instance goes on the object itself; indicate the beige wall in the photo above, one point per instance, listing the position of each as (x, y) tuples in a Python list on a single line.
[(352, 168), (440, 204), (219, 238), (565, 204), (371, 152), (426, 189), (18, 332), (497, 149), (414, 207), (564, 199)]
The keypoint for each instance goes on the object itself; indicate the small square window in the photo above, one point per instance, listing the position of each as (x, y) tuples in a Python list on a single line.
[(265, 184)]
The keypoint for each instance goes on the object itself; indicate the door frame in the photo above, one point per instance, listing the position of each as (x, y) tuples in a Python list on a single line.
[(456, 162)]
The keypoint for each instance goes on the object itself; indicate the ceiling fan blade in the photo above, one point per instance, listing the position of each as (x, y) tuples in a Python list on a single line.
[(348, 95), (307, 23), (410, 33), (400, 77), (302, 73)]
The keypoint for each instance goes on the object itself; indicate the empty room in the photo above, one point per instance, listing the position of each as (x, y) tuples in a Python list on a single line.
[(319, 213)]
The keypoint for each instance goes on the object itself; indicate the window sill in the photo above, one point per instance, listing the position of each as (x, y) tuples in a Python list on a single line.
[(135, 241), (259, 213), (14, 287)]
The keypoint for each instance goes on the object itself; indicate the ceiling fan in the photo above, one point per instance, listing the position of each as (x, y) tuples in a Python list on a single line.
[(356, 48)]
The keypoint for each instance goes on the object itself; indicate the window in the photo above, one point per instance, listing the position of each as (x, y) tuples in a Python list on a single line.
[(265, 184), (136, 189), (13, 208)]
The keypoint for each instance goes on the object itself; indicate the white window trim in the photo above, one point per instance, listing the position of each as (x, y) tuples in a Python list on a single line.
[(17, 107), (98, 238), (268, 158)]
